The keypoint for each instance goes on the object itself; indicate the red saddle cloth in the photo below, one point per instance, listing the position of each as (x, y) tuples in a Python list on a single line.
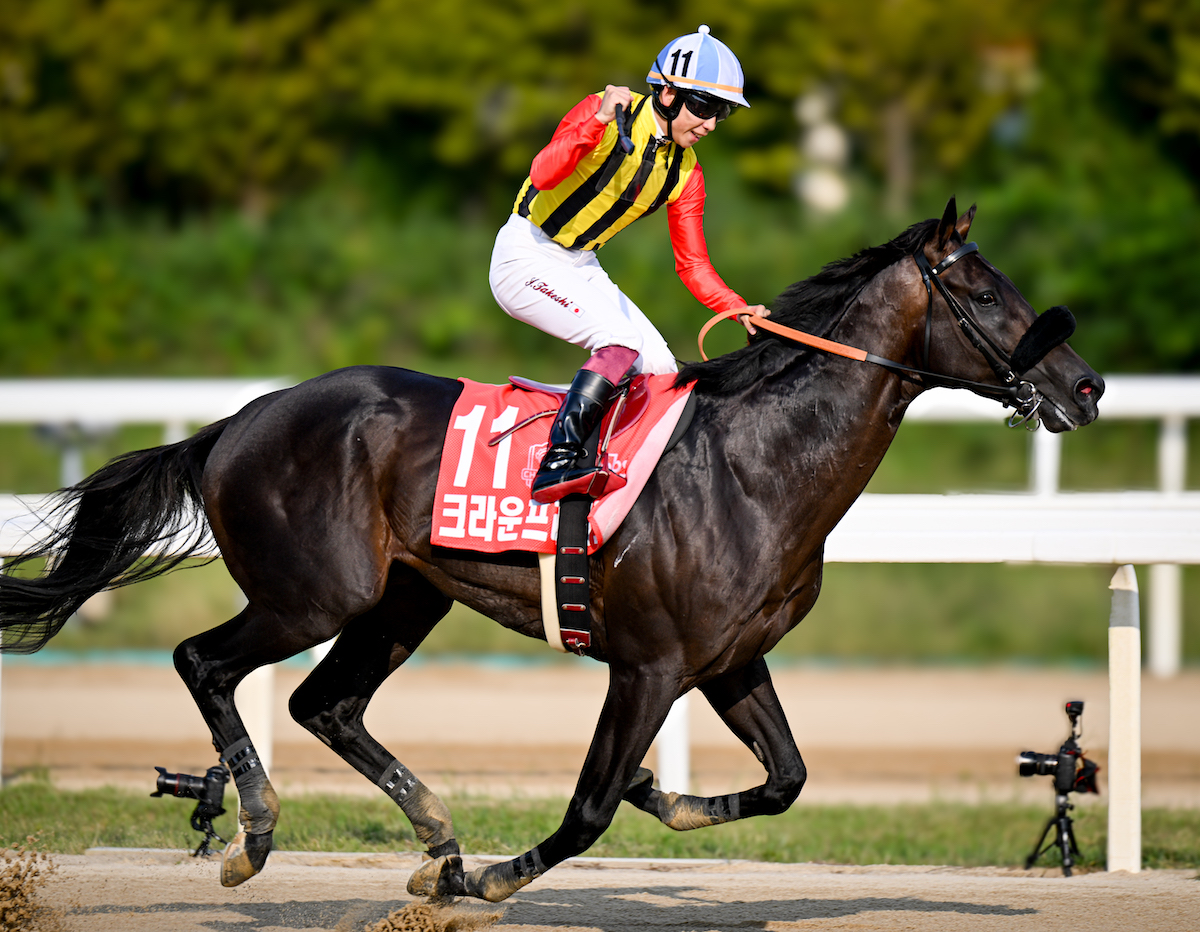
[(483, 493)]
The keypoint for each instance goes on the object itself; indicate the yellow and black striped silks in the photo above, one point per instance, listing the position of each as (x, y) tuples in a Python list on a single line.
[(608, 189)]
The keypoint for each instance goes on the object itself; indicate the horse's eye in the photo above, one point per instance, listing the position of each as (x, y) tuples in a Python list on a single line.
[(987, 299)]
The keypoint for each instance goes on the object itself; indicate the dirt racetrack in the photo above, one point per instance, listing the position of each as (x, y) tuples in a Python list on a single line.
[(868, 735), (130, 892)]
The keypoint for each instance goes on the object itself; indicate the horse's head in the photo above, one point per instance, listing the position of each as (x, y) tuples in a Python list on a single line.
[(975, 326)]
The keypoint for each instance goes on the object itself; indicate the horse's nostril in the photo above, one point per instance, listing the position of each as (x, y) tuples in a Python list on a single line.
[(1090, 389)]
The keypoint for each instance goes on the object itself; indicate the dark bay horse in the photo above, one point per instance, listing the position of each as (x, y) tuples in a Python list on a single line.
[(320, 498)]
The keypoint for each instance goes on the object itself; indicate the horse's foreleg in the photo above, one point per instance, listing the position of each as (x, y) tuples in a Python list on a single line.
[(212, 664), (331, 703), (746, 701), (636, 706)]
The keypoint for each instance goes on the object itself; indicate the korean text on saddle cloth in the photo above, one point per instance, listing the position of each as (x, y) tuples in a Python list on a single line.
[(483, 492)]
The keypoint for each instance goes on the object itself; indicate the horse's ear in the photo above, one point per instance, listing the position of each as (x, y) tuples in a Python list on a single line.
[(964, 223), (947, 225)]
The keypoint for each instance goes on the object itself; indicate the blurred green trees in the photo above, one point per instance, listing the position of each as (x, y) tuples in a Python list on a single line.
[(199, 101), (209, 186)]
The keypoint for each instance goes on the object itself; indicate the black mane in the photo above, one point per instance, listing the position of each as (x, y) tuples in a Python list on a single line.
[(813, 305)]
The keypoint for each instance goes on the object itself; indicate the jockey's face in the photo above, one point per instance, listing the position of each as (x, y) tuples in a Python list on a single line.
[(686, 129)]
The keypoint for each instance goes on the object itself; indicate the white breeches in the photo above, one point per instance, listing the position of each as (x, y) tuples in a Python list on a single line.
[(566, 293)]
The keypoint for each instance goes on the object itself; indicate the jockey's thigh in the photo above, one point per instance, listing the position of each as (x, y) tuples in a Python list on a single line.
[(655, 356), (566, 293)]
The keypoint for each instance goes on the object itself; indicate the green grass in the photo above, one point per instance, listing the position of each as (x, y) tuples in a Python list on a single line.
[(996, 834)]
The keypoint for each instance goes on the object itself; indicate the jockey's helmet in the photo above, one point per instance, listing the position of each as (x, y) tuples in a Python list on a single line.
[(701, 68)]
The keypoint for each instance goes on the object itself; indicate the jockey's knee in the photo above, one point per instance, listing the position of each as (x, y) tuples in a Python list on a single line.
[(656, 358)]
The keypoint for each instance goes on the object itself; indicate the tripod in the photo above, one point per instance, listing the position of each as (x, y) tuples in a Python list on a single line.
[(1073, 773), (1064, 837)]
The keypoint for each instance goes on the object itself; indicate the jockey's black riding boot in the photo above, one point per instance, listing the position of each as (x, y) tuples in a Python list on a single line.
[(566, 468)]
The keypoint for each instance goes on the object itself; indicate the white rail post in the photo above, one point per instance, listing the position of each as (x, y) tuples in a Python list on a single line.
[(1045, 462), (1124, 725), (1165, 647), (1165, 635), (674, 752)]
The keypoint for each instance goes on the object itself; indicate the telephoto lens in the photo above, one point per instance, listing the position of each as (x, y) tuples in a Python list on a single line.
[(208, 791), (1031, 763), (183, 785)]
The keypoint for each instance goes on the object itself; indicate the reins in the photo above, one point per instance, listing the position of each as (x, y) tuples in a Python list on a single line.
[(1021, 395)]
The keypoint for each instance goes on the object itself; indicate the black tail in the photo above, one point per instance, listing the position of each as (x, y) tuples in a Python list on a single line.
[(138, 517)]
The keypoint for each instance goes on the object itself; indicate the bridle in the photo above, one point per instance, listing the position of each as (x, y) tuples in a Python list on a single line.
[(1022, 396), (1019, 394)]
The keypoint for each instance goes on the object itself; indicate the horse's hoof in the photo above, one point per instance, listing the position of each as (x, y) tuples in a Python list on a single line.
[(244, 857), (683, 813), (438, 877), (641, 791), (495, 882)]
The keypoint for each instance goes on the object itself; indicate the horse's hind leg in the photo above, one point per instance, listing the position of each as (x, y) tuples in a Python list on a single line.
[(746, 701), (331, 703), (212, 665)]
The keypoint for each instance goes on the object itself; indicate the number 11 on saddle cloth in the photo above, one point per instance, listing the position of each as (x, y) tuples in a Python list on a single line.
[(483, 499)]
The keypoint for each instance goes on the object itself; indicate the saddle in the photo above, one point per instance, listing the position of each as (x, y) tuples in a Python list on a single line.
[(631, 402)]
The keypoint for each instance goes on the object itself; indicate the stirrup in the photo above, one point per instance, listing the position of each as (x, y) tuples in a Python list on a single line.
[(594, 484)]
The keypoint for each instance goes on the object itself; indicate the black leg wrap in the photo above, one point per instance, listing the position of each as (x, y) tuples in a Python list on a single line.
[(429, 816), (442, 873), (241, 758), (258, 813), (500, 881), (445, 849), (397, 781), (678, 811)]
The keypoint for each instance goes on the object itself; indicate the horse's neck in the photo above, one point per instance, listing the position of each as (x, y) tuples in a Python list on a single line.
[(840, 424), (840, 416)]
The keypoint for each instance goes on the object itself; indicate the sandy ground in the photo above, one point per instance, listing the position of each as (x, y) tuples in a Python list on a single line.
[(873, 735), (867, 735), (128, 892)]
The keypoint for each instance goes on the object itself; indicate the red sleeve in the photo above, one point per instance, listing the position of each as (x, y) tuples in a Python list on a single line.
[(577, 134), (686, 220)]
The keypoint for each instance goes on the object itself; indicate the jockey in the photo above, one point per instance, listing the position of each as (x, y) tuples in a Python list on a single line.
[(582, 189)]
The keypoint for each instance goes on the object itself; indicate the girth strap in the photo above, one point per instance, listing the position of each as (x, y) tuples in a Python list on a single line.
[(572, 575)]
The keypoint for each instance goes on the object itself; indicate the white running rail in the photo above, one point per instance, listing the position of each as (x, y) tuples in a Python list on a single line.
[(1044, 525)]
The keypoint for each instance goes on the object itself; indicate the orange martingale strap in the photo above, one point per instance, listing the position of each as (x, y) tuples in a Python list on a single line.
[(838, 349)]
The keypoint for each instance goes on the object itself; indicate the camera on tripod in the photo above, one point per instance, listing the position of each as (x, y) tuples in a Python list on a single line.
[(1073, 773), (208, 791)]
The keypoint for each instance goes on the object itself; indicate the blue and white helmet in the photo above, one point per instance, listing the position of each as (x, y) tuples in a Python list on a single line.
[(701, 63)]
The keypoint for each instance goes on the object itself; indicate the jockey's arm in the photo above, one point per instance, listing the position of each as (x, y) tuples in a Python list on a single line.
[(686, 220), (578, 133)]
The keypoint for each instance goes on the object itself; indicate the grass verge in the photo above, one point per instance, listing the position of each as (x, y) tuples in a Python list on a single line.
[(993, 834)]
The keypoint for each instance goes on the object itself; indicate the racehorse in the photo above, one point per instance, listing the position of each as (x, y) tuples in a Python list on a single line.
[(320, 498)]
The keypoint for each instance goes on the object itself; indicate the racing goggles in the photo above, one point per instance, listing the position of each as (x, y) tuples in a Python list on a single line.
[(705, 106)]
